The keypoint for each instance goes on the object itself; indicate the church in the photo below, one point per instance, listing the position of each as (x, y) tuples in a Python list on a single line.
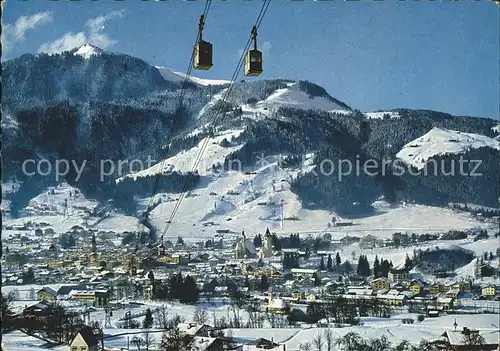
[(266, 250), (246, 249)]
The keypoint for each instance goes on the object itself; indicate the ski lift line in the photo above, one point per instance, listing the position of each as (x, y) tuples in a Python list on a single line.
[(181, 98), (176, 116), (212, 129), (219, 114)]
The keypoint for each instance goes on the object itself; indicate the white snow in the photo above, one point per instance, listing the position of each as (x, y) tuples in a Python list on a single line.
[(9, 122), (179, 77), (341, 112), (184, 162), (496, 128), (54, 200), (236, 201), (217, 97), (380, 115), (370, 327), (296, 98), (440, 141), (119, 223), (88, 50)]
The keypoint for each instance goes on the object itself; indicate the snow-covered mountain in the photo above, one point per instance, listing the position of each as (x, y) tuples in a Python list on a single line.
[(496, 128), (91, 105), (87, 50), (293, 97), (440, 141), (170, 75)]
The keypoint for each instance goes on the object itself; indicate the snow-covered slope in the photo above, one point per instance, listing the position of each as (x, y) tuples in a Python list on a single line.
[(88, 50), (296, 98), (440, 141), (183, 162), (496, 128), (380, 115), (60, 200), (179, 77)]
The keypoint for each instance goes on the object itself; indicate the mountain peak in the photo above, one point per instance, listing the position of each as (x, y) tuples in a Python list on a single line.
[(87, 50)]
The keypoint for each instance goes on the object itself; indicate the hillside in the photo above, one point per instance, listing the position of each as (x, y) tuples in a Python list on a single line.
[(274, 140)]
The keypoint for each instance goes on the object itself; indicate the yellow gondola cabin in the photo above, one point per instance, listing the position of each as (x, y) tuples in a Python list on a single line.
[(253, 58), (203, 51)]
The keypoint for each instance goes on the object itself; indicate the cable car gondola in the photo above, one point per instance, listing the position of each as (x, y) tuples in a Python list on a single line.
[(253, 58), (203, 50)]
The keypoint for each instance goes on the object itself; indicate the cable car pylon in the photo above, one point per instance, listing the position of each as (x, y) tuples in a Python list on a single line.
[(203, 50)]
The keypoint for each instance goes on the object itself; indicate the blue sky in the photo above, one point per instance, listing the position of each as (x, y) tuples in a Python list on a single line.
[(440, 55)]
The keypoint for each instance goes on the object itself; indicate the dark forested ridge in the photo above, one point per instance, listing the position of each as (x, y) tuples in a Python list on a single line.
[(117, 107)]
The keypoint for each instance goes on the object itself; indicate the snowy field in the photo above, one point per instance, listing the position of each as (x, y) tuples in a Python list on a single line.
[(441, 141), (179, 77), (370, 327), (292, 97)]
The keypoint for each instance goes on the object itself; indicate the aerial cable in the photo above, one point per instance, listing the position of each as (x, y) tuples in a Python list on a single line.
[(176, 116), (214, 123), (219, 114)]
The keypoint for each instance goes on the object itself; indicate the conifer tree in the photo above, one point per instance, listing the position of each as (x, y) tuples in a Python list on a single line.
[(329, 263), (376, 267), (148, 319)]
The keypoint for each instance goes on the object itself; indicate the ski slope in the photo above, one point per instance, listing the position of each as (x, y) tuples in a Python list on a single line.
[(179, 77), (440, 141), (293, 97), (184, 162)]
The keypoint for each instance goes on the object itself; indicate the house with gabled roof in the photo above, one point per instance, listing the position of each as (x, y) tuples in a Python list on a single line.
[(84, 340), (46, 294)]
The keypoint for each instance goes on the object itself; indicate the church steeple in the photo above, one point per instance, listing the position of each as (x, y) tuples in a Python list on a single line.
[(94, 244), (268, 233), (267, 247)]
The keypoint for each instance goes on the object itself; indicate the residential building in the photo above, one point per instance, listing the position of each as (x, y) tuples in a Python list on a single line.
[(417, 287), (398, 275), (457, 340), (436, 288), (446, 303), (301, 272), (84, 340), (46, 294), (381, 283), (488, 290)]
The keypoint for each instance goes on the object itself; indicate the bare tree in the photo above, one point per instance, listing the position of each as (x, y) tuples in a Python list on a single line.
[(436, 345), (305, 346), (137, 341), (406, 346), (281, 321), (200, 316), (271, 318), (329, 339), (318, 342), (380, 344), (472, 337), (147, 340), (351, 341), (162, 317), (236, 320)]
